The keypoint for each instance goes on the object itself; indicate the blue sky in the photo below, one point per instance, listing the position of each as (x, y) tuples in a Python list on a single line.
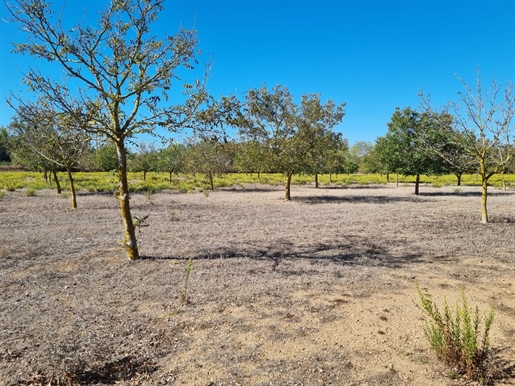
[(372, 54)]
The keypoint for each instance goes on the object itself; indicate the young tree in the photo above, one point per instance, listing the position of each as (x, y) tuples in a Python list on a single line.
[(210, 157), (172, 159), (145, 160), (252, 157), (402, 150), (439, 140), (319, 143), (120, 72), (482, 128), (283, 129), (51, 137)]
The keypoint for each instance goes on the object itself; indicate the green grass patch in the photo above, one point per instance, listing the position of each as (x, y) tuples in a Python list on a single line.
[(108, 181)]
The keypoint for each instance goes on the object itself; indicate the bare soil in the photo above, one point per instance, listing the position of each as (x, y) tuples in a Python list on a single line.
[(317, 291)]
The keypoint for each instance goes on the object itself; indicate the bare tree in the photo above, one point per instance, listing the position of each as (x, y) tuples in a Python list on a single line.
[(483, 128), (121, 75)]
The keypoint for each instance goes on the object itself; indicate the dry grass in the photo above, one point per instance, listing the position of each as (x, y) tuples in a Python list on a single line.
[(314, 291)]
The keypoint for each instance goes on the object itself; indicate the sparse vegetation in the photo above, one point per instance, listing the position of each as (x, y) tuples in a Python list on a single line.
[(30, 191), (184, 291), (457, 339), (140, 222)]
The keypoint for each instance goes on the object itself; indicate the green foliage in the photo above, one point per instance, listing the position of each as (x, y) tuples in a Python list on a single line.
[(1, 194), (30, 191), (174, 215), (140, 222), (457, 339), (289, 137), (105, 157), (5, 146)]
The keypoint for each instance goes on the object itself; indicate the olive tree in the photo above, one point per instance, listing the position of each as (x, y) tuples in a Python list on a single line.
[(120, 75), (482, 127)]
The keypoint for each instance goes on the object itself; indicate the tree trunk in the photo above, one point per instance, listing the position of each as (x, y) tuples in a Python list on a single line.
[(397, 180), (130, 242), (211, 182), (417, 184), (259, 177), (144, 175), (316, 180), (287, 186), (72, 187), (458, 175), (170, 179), (57, 183), (503, 181), (484, 196)]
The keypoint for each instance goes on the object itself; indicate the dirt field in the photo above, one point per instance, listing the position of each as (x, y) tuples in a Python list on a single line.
[(317, 291)]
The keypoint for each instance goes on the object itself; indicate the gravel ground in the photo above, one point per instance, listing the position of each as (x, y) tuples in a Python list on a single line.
[(317, 291)]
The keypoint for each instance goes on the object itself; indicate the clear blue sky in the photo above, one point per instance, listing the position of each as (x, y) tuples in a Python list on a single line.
[(372, 54)]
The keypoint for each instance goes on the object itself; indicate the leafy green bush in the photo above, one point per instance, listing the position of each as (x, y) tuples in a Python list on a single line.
[(456, 338), (31, 191)]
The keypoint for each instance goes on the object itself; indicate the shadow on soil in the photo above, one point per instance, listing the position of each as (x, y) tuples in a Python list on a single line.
[(355, 251), (464, 194), (356, 199)]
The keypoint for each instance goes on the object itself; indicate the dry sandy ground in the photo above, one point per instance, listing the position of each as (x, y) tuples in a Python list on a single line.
[(317, 291)]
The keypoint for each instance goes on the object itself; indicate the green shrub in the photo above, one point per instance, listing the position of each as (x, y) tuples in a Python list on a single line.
[(31, 191), (2, 194), (456, 338), (10, 187)]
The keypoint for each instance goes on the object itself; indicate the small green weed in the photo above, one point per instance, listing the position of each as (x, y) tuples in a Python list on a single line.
[(173, 313), (1, 194), (10, 187), (436, 184), (456, 338), (174, 215), (184, 291), (148, 191), (457, 190), (140, 222), (31, 191)]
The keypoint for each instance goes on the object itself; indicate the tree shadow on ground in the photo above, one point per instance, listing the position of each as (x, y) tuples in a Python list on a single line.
[(353, 187), (124, 369), (357, 199), (464, 194), (354, 251)]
